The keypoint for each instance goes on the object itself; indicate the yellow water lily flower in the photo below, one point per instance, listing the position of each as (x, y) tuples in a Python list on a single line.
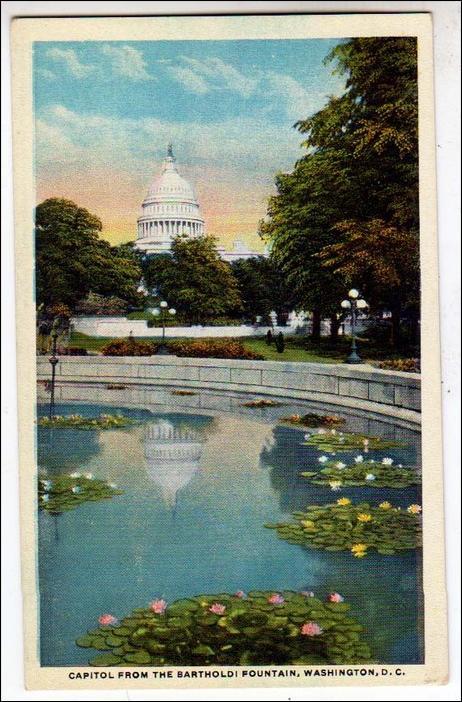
[(343, 501), (414, 509), (363, 517), (360, 554), (385, 505), (356, 548)]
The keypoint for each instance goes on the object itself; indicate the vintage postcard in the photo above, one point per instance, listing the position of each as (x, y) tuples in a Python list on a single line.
[(228, 351)]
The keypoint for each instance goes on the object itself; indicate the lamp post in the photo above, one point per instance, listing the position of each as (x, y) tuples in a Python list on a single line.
[(53, 360), (162, 311), (353, 304)]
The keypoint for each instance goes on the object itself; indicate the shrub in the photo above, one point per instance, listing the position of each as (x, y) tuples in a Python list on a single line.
[(280, 343), (129, 347), (73, 351), (407, 365), (95, 304), (223, 348), (255, 629)]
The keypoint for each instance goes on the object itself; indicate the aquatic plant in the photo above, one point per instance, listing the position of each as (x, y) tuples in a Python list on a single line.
[(382, 474), (262, 403), (62, 493), (314, 420), (116, 386), (333, 440), (183, 392), (76, 421), (255, 629), (343, 526)]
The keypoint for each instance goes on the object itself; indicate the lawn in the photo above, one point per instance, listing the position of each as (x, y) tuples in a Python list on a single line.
[(294, 351)]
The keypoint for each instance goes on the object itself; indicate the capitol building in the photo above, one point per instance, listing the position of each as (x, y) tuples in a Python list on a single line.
[(171, 208)]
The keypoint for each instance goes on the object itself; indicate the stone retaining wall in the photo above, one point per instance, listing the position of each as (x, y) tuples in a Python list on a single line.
[(362, 388)]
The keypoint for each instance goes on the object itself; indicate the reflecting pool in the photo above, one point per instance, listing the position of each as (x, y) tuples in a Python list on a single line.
[(197, 490)]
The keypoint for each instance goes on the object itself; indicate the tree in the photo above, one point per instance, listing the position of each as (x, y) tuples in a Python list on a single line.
[(194, 279), (72, 259), (262, 287), (355, 192)]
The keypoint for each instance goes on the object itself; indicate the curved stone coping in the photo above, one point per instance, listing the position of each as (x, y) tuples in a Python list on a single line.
[(363, 388)]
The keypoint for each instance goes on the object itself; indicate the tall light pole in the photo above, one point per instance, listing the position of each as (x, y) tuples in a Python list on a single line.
[(162, 311), (354, 304), (53, 360)]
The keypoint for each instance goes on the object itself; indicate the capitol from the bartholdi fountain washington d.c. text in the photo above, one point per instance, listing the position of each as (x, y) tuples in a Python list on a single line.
[(169, 209)]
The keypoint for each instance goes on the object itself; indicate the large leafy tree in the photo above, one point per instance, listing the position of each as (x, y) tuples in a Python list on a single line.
[(262, 287), (351, 203), (194, 279), (72, 259)]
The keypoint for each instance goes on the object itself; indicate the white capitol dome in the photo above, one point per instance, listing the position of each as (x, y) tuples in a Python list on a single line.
[(169, 208)]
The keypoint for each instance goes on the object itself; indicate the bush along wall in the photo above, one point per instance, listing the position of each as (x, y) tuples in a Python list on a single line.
[(202, 348), (255, 629), (359, 528)]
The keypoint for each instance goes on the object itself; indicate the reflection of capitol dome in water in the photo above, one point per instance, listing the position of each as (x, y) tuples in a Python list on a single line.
[(172, 455)]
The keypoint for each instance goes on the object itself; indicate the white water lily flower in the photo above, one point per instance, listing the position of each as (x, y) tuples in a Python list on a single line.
[(75, 475), (333, 431), (45, 498), (400, 465), (307, 437), (370, 476), (323, 459), (387, 461), (112, 485), (340, 465), (359, 459), (322, 431), (76, 489), (335, 485), (88, 476)]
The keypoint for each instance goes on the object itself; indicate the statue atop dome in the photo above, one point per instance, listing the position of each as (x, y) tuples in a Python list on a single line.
[(170, 151)]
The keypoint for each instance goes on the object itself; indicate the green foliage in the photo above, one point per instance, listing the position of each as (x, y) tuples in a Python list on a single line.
[(62, 493), (194, 279), (352, 200), (386, 475), (249, 631), (330, 441), (76, 421), (262, 287), (262, 403), (405, 365), (72, 261), (95, 304), (280, 343), (347, 527), (314, 420)]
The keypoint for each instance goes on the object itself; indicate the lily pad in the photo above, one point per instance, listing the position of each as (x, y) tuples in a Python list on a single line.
[(364, 474), (62, 493), (76, 421), (333, 440)]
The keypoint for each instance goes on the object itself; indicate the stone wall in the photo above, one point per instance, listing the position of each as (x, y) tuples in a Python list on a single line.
[(362, 388)]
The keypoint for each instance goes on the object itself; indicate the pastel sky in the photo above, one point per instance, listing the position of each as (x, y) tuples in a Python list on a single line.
[(105, 112)]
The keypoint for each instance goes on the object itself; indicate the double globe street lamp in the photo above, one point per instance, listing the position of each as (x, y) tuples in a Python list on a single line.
[(353, 304), (163, 312)]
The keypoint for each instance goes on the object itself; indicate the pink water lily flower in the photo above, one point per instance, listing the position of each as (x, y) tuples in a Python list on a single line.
[(158, 606), (107, 619), (217, 608), (276, 599), (311, 629), (240, 594), (335, 597)]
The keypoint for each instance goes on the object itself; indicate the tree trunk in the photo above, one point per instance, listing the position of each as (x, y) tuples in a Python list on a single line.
[(334, 327), (316, 330)]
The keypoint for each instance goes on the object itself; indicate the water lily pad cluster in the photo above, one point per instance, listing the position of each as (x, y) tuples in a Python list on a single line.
[(183, 392), (77, 421), (344, 526), (314, 420), (255, 629), (364, 473), (333, 440), (62, 493), (262, 403)]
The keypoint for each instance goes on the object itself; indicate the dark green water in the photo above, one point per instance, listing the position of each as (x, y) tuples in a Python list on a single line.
[(197, 491)]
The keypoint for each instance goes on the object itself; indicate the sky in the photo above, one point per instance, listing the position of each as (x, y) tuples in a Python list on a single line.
[(105, 112)]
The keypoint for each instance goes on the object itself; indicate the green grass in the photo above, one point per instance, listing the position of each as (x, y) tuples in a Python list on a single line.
[(297, 349)]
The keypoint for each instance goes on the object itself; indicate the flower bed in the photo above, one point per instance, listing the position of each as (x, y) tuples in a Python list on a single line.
[(314, 420), (200, 348), (62, 493), (406, 365), (344, 526), (262, 403), (76, 421), (333, 440), (377, 474), (255, 629)]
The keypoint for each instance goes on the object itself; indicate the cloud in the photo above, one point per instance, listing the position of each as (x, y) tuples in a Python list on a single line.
[(203, 76), (71, 61), (127, 62)]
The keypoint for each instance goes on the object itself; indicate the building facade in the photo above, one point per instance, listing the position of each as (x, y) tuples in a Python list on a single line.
[(171, 208)]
